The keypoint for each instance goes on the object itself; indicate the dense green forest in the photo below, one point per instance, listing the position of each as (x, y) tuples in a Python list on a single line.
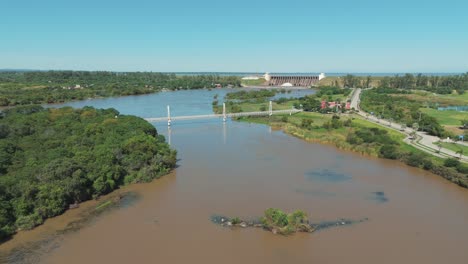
[(51, 158), (23, 88)]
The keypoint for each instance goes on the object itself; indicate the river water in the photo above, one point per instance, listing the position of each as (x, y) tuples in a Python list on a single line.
[(240, 169)]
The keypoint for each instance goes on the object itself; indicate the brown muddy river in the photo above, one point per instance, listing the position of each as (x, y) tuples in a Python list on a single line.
[(242, 169)]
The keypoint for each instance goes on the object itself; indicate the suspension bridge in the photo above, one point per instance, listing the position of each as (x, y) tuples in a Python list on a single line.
[(224, 115)]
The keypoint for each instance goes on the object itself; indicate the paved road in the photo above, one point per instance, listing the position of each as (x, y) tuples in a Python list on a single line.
[(424, 141)]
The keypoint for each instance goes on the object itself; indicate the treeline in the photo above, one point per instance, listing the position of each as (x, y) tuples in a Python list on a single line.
[(332, 90), (53, 158), (436, 84), (251, 95), (433, 83), (21, 88), (399, 109)]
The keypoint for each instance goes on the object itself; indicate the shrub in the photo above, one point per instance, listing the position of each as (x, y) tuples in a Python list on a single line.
[(236, 220), (306, 123), (29, 221), (413, 159), (427, 164), (462, 168), (348, 123), (451, 162), (388, 152)]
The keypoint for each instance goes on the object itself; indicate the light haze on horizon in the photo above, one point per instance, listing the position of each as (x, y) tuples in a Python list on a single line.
[(235, 36)]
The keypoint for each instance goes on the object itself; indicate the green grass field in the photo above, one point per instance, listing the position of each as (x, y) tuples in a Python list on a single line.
[(441, 99), (448, 118), (454, 147), (463, 97)]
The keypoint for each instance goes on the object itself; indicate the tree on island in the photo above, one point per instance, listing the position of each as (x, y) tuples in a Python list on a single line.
[(279, 222)]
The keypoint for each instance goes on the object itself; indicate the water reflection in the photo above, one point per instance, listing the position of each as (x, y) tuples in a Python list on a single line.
[(169, 135), (224, 133)]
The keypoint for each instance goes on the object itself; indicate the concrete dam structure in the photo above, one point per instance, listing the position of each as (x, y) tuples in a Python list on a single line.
[(302, 80)]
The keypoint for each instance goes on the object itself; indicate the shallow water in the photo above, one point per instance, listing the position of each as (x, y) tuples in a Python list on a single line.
[(240, 169)]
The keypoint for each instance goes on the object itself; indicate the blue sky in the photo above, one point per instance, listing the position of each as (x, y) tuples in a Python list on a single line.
[(240, 35)]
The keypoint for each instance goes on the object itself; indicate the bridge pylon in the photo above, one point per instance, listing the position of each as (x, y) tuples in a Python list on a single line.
[(168, 115)]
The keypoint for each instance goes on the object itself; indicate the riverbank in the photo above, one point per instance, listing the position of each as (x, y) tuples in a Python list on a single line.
[(54, 159), (349, 132)]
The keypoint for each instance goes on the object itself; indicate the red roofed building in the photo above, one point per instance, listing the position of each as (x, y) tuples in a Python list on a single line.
[(323, 105)]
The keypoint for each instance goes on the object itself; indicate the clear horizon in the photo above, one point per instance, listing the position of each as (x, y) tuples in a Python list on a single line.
[(243, 36)]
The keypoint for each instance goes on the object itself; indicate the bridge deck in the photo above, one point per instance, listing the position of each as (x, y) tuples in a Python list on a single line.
[(192, 117)]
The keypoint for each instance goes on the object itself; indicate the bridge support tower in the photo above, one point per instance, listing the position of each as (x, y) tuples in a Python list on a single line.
[(168, 116)]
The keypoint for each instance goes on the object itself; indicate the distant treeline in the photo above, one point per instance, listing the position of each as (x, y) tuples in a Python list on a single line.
[(251, 95), (437, 84), (52, 158), (21, 88)]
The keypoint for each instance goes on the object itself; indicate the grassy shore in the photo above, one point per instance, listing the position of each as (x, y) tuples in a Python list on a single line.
[(339, 137), (316, 133)]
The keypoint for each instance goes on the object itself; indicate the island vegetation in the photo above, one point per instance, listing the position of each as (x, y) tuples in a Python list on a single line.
[(53, 159), (40, 87), (282, 223)]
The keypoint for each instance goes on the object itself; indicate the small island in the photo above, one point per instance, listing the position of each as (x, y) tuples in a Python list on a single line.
[(279, 222)]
